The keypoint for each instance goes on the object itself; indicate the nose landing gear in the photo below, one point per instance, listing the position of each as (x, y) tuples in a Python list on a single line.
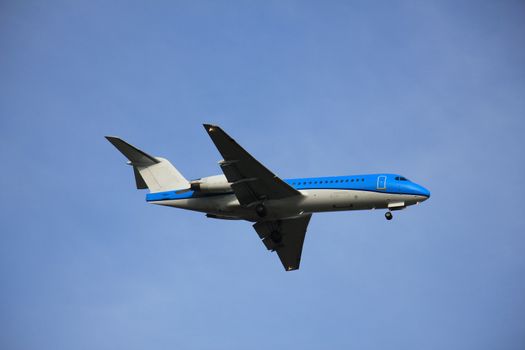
[(388, 215)]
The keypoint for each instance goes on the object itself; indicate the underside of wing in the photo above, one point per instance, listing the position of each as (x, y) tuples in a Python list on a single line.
[(251, 181), (286, 237)]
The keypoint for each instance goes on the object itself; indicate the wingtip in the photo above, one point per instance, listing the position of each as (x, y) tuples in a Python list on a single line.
[(210, 127), (113, 139)]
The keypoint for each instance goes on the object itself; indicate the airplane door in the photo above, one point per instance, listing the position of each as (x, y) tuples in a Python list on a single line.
[(381, 182)]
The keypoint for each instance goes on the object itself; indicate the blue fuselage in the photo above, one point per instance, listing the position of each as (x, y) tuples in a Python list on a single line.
[(380, 183)]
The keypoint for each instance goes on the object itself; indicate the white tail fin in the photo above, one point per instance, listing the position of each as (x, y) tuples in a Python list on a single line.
[(157, 174)]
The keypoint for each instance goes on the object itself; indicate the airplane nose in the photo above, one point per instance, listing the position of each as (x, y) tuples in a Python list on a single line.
[(409, 187), (423, 192)]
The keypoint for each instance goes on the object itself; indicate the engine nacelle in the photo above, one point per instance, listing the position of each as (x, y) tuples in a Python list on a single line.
[(211, 184)]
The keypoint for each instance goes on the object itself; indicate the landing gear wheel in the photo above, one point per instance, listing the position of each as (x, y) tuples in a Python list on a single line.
[(276, 237), (388, 215), (260, 210)]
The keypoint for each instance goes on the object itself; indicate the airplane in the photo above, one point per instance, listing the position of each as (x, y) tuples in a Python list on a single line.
[(280, 208)]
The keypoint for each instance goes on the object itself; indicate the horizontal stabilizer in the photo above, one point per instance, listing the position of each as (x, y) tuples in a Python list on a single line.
[(135, 155), (155, 173)]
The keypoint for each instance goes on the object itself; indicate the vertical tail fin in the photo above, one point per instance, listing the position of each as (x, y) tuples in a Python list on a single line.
[(155, 173)]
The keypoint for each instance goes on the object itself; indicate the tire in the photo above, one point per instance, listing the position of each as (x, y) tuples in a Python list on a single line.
[(276, 237), (260, 210), (388, 215)]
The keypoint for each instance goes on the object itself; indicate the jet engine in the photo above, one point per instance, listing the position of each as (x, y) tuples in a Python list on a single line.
[(211, 184)]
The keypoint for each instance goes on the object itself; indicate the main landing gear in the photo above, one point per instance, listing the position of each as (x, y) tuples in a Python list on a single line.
[(276, 237), (260, 209), (388, 215)]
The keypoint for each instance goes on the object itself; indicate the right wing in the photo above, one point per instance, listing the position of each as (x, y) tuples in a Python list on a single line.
[(251, 181), (286, 237)]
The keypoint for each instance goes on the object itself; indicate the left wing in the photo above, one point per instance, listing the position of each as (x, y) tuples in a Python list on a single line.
[(286, 237), (251, 181)]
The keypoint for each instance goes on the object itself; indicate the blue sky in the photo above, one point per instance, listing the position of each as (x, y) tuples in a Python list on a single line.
[(432, 90)]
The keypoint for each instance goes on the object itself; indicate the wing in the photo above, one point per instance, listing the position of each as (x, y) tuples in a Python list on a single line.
[(286, 237), (251, 181)]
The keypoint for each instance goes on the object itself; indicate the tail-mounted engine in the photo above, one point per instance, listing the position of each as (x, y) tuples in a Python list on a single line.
[(211, 184)]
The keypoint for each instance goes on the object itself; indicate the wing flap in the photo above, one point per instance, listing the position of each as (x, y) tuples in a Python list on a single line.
[(245, 194)]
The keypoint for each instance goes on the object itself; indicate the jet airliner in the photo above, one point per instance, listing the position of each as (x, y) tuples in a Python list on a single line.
[(280, 208)]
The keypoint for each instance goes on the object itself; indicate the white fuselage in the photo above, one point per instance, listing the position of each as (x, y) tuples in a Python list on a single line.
[(311, 201)]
